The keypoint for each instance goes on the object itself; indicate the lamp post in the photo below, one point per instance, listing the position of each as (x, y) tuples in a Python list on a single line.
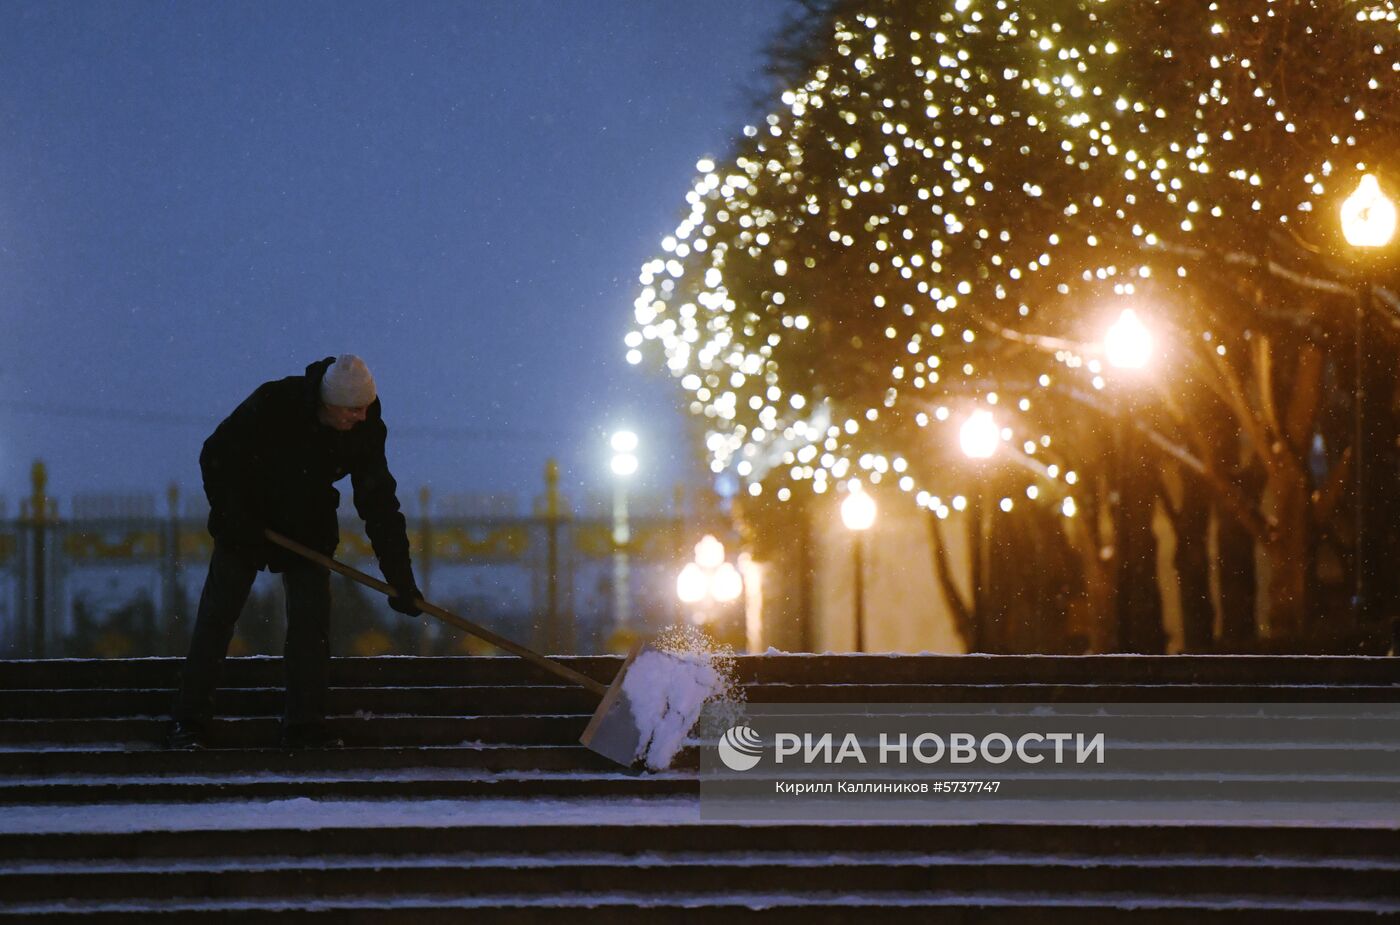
[(624, 466), (1128, 346), (979, 437), (1368, 223), (858, 514), (709, 579)]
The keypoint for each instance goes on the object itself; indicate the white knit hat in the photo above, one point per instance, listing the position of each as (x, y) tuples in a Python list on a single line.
[(347, 383)]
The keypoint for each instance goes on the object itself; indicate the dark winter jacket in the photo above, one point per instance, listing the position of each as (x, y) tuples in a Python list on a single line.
[(273, 464)]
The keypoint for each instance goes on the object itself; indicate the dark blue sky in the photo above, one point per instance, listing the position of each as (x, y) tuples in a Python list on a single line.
[(197, 197)]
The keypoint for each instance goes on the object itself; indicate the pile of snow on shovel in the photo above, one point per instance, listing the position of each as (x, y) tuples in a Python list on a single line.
[(669, 685)]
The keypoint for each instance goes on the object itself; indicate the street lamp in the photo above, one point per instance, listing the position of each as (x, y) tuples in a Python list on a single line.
[(1128, 342), (1128, 345), (624, 466), (1368, 215), (858, 514), (979, 435), (1368, 222), (709, 578), (624, 446)]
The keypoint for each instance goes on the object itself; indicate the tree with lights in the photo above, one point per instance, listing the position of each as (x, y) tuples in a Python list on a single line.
[(953, 200)]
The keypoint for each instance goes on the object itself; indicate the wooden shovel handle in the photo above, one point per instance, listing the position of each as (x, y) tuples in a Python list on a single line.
[(446, 616)]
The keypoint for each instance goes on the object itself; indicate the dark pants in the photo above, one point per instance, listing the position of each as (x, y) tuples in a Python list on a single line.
[(306, 655)]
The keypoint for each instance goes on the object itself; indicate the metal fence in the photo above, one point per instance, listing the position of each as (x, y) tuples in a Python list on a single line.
[(115, 578)]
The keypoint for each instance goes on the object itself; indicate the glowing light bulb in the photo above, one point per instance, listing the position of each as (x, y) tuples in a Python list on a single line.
[(691, 584), (1128, 342), (727, 584), (1368, 215), (979, 435), (624, 460), (709, 552), (858, 510)]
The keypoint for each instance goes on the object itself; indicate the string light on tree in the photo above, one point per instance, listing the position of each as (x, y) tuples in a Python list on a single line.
[(962, 172)]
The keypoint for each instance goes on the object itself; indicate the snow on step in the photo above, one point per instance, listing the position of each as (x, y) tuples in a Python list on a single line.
[(1090, 902), (665, 811), (676, 859)]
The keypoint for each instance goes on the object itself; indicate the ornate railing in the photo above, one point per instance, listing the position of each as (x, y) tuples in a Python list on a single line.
[(114, 583)]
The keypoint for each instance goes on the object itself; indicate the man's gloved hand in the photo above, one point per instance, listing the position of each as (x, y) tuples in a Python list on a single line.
[(405, 591), (403, 601)]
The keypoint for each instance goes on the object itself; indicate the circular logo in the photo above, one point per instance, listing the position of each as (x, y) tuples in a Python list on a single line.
[(740, 748)]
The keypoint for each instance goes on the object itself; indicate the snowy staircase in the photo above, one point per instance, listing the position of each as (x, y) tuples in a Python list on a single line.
[(462, 794)]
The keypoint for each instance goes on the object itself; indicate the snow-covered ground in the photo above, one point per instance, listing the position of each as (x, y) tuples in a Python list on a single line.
[(306, 813), (1108, 903), (477, 860)]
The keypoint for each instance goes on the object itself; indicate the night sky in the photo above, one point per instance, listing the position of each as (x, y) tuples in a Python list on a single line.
[(197, 197)]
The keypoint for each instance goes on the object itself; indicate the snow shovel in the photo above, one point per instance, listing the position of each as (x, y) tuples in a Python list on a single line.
[(612, 732)]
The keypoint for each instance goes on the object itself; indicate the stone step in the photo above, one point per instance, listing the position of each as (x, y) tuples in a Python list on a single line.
[(73, 703), (78, 703), (1164, 790), (340, 876), (413, 785), (39, 762), (266, 671), (729, 908), (464, 793), (1323, 745), (121, 759), (1125, 728), (1150, 793), (157, 840), (1089, 692), (264, 731)]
